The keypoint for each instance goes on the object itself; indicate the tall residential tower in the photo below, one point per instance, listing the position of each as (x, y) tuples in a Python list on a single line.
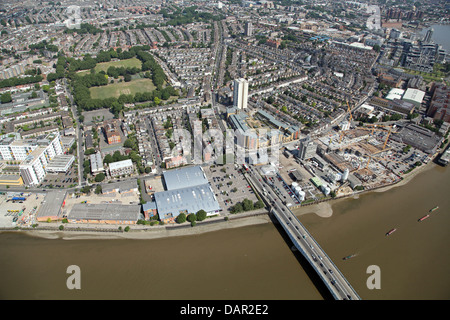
[(240, 93)]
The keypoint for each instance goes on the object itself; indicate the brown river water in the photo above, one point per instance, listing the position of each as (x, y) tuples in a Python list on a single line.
[(253, 262)]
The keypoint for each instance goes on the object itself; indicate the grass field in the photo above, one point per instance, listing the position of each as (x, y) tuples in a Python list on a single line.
[(116, 89), (103, 66)]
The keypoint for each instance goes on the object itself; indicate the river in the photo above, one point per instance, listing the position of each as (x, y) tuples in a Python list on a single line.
[(252, 262), (440, 35)]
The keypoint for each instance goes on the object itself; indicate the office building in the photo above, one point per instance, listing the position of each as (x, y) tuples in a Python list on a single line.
[(60, 163), (240, 94), (121, 168)]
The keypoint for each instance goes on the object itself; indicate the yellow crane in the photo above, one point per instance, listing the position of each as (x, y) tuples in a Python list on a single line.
[(350, 118), (376, 126)]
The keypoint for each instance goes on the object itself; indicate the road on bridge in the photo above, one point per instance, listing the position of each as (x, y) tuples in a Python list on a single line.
[(335, 281)]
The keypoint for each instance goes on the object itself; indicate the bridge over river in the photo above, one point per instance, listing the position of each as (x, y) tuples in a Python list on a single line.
[(333, 279)]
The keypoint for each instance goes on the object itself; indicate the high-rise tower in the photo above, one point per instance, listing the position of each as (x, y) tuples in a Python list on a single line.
[(240, 93)]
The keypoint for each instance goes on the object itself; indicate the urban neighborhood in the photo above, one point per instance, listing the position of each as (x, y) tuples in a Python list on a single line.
[(134, 116)]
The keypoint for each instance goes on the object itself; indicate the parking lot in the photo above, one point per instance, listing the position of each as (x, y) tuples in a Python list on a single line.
[(283, 190), (61, 180), (399, 162), (125, 198), (22, 212), (229, 185)]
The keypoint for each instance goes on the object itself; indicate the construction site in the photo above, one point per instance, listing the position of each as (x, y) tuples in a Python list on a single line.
[(358, 158)]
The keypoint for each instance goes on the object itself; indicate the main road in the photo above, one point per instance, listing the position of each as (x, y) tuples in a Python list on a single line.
[(334, 280)]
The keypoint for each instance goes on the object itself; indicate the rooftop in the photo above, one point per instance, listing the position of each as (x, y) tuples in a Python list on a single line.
[(107, 211), (121, 186), (414, 95), (187, 200), (184, 177), (52, 203), (120, 164)]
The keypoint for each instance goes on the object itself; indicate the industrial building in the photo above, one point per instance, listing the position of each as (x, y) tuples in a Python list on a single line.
[(105, 213), (52, 206), (184, 177), (122, 187), (187, 191), (414, 96), (418, 137)]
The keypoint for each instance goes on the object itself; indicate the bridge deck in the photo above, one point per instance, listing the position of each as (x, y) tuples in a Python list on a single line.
[(332, 277)]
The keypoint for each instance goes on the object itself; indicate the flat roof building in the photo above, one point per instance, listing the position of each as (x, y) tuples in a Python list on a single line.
[(96, 163), (240, 93), (60, 163), (108, 213), (418, 137), (184, 177), (187, 191), (414, 96), (120, 187), (52, 205), (121, 167), (186, 200)]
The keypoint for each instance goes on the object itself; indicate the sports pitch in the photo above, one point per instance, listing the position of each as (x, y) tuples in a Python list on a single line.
[(116, 89)]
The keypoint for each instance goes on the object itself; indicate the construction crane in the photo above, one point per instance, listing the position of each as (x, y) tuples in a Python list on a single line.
[(349, 112), (375, 126), (350, 118)]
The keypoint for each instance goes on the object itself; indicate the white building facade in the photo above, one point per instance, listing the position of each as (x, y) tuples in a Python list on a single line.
[(240, 93), (33, 155)]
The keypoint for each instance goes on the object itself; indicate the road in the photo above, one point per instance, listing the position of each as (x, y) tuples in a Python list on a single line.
[(79, 135), (304, 242)]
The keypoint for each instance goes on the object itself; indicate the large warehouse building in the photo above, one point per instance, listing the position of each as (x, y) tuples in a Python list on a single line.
[(105, 213), (187, 191)]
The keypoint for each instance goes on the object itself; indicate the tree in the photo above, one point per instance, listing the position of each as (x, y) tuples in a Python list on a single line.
[(237, 208), (6, 97), (192, 217), (201, 215), (100, 177), (181, 218), (98, 189), (247, 205), (86, 189), (108, 159), (258, 204)]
